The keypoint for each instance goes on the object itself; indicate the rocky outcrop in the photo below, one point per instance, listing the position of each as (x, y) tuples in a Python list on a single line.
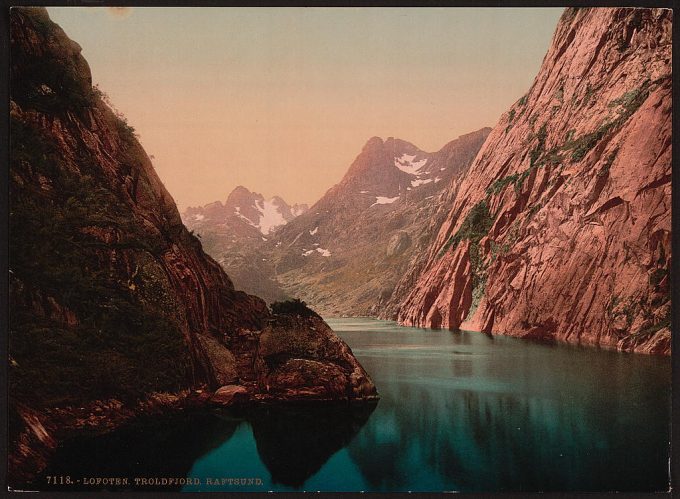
[(229, 395), (301, 354), (32, 443), (294, 358), (398, 243), (561, 227), (345, 255), (35, 435), (111, 295)]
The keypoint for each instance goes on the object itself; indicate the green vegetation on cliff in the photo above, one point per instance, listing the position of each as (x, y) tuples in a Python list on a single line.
[(293, 307), (101, 352), (476, 225), (80, 328)]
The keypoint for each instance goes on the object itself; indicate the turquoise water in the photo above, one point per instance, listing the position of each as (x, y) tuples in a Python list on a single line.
[(458, 411)]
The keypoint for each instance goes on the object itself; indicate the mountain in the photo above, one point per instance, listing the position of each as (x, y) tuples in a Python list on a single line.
[(115, 307), (347, 252), (561, 228), (233, 233), (242, 212)]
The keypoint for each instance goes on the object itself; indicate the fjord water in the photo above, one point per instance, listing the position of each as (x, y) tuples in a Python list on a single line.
[(458, 411), (465, 411)]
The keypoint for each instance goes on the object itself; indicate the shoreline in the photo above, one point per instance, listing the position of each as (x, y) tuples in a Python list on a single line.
[(640, 348), (45, 430)]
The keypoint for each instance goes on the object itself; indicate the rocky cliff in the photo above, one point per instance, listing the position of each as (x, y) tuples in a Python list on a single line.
[(561, 228), (112, 298), (345, 255)]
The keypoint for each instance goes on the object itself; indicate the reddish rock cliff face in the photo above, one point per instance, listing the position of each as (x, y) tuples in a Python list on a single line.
[(560, 229), (151, 246)]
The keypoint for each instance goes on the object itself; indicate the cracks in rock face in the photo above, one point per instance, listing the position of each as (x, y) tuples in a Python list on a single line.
[(572, 184)]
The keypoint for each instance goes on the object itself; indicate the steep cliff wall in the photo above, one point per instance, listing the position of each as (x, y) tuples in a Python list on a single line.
[(111, 297), (560, 229)]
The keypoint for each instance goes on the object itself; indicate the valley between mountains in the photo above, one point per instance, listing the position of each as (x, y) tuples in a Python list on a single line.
[(555, 225), (344, 255)]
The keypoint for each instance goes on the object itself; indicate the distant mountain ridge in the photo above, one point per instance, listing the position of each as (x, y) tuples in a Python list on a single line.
[(234, 231), (245, 206), (345, 254)]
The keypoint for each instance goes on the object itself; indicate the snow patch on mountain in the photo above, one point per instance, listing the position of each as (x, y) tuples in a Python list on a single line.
[(407, 164), (263, 214), (237, 212), (416, 183), (384, 200), (270, 216), (321, 251), (298, 209)]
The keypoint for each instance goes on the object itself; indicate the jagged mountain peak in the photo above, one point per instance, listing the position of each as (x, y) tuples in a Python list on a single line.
[(243, 207), (400, 146), (386, 171), (385, 206), (374, 143), (376, 146), (383, 169), (240, 191)]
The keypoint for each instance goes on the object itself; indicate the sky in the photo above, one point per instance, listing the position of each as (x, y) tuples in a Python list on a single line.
[(281, 100)]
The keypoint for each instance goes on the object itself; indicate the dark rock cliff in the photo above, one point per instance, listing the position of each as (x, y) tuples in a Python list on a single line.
[(561, 228), (111, 297)]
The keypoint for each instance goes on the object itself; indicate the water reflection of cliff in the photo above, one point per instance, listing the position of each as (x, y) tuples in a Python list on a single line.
[(511, 423), (164, 446), (294, 443)]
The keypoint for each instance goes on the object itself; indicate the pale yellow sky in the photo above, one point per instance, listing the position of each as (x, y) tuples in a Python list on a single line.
[(282, 100)]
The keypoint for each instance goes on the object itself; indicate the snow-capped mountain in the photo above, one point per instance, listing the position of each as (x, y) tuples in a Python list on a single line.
[(243, 206), (232, 233), (346, 253)]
